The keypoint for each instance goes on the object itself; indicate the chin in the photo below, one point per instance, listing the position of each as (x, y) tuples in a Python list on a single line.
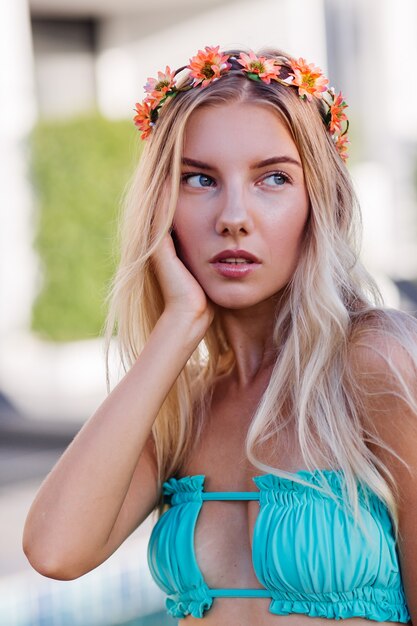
[(234, 302)]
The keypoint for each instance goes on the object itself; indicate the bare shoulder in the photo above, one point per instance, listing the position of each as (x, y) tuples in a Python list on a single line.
[(383, 360), (383, 347), (382, 363)]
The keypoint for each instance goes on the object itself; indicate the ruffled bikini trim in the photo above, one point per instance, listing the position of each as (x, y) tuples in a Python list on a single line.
[(193, 602), (195, 483), (369, 602), (185, 489), (376, 604), (184, 484), (272, 487)]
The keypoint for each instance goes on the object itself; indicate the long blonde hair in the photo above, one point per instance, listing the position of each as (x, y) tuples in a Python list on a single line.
[(326, 304)]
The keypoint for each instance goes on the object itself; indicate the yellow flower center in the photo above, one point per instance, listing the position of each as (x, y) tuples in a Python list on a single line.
[(207, 70), (309, 80), (257, 66), (162, 83)]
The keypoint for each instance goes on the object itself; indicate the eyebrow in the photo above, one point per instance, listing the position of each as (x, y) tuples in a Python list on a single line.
[(276, 159), (194, 163), (271, 161)]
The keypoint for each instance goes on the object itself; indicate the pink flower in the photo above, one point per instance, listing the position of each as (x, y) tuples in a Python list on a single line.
[(157, 88), (337, 114), (263, 67), (342, 146), (208, 65), (309, 79), (143, 118)]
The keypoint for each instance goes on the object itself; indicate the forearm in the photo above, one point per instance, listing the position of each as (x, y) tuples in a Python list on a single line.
[(80, 500)]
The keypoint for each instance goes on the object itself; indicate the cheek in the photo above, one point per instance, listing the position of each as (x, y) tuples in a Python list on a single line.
[(287, 235), (190, 226)]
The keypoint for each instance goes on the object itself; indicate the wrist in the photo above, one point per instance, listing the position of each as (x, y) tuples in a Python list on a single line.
[(190, 326)]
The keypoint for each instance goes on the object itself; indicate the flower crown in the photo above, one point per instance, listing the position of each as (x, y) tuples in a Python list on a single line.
[(211, 64)]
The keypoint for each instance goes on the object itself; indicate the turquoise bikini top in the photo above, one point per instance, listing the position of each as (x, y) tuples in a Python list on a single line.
[(307, 552)]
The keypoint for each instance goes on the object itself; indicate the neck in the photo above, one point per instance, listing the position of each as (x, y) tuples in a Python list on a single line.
[(249, 333)]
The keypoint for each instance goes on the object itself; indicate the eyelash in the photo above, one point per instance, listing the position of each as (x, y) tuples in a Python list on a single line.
[(186, 177), (282, 174)]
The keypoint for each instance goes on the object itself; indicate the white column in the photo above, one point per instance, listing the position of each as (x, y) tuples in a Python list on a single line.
[(387, 40), (18, 264)]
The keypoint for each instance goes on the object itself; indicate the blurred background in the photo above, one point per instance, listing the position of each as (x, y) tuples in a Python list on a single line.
[(70, 74)]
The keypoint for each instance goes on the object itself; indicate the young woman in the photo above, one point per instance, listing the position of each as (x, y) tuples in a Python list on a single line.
[(269, 407)]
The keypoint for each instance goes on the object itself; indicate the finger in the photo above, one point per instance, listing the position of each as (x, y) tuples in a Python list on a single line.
[(161, 211)]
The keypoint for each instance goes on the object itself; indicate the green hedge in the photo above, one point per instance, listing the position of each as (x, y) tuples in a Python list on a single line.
[(79, 168)]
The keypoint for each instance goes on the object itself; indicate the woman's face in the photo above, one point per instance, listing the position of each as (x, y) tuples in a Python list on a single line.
[(242, 188)]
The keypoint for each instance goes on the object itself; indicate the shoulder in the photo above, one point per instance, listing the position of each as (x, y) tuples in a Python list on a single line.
[(382, 365), (383, 347), (382, 355), (382, 371)]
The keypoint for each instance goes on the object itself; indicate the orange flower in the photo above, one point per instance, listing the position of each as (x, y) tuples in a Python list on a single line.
[(337, 116), (143, 118), (309, 79), (263, 67), (208, 66), (157, 88), (342, 146)]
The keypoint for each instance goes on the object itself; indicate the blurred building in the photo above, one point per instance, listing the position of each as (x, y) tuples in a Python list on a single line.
[(372, 45), (104, 51)]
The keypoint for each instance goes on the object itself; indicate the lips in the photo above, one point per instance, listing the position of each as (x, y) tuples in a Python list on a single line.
[(236, 254)]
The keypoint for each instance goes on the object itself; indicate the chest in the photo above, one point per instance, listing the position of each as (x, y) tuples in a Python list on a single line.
[(225, 531), (223, 536), (221, 452)]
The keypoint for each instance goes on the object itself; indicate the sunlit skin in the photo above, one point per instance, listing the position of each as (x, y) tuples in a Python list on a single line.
[(232, 201)]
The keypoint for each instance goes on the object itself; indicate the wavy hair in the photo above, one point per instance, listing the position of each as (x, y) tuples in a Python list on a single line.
[(326, 306)]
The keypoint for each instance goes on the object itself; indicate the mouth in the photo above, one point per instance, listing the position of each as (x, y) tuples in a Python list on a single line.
[(235, 261), (235, 257), (235, 268)]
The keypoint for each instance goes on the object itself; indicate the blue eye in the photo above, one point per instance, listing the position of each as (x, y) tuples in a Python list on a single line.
[(197, 181), (278, 178)]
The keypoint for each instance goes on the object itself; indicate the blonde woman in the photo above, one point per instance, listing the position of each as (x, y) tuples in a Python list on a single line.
[(268, 411)]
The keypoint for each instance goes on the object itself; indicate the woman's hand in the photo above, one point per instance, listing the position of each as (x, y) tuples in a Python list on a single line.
[(182, 292)]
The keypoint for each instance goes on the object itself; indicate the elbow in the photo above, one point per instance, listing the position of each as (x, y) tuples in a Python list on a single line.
[(55, 555), (54, 569), (51, 566)]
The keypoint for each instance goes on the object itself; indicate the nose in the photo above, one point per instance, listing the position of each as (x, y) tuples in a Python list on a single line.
[(234, 213)]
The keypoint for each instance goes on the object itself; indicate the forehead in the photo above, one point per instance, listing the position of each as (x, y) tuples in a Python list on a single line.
[(238, 129)]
